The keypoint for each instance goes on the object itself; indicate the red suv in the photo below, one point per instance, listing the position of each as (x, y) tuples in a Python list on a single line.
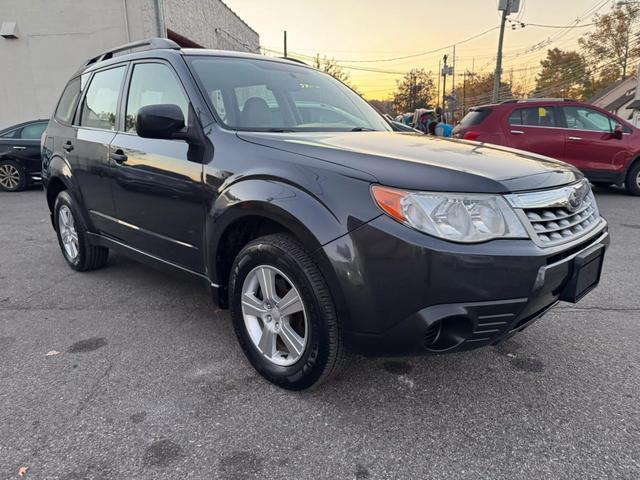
[(603, 146)]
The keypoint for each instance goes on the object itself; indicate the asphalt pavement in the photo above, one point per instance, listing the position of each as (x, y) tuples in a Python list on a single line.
[(145, 380)]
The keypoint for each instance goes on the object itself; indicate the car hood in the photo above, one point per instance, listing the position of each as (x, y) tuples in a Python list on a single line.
[(421, 162)]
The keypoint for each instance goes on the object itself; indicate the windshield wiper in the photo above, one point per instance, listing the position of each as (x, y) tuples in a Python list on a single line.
[(279, 130), (362, 129)]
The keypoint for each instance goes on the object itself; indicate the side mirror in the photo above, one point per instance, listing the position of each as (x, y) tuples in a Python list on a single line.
[(160, 121), (617, 132)]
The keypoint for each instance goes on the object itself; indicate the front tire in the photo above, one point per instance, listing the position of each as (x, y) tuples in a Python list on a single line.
[(632, 182), (283, 313), (73, 239), (12, 176)]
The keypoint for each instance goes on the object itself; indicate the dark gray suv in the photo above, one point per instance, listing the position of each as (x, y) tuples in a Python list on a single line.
[(306, 214)]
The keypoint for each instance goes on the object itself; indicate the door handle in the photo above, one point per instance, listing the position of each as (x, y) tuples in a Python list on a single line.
[(118, 156), (517, 132), (575, 139), (68, 146), (19, 148)]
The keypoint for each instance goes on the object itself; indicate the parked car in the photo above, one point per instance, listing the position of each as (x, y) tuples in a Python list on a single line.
[(20, 162), (603, 146), (320, 237)]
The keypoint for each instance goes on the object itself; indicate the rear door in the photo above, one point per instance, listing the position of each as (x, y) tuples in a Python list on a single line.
[(590, 143), (22, 145), (88, 152), (537, 130), (157, 185), (28, 147)]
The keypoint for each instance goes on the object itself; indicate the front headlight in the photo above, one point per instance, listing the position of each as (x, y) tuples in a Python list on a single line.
[(458, 217)]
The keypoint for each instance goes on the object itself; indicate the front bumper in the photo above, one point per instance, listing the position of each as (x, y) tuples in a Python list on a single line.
[(401, 292)]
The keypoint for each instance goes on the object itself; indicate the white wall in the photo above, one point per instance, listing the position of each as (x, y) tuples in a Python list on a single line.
[(55, 37)]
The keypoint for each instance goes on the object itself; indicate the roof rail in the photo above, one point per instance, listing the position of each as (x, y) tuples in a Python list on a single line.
[(294, 60), (150, 43), (533, 99)]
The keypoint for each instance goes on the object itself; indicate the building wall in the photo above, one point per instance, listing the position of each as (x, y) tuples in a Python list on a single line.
[(56, 36), (211, 24)]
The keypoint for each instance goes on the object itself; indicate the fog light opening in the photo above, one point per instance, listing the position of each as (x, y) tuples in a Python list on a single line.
[(451, 332)]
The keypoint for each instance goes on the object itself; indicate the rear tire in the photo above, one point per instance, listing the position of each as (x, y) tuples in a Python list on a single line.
[(73, 239), (632, 182), (12, 176), (317, 352)]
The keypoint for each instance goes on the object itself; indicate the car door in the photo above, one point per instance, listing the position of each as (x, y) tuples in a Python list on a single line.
[(157, 186), (536, 129), (88, 152), (590, 143), (27, 146), (22, 145)]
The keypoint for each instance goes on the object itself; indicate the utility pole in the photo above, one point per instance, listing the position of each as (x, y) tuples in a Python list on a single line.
[(464, 92), (439, 75), (507, 7), (444, 87), (453, 86), (285, 44)]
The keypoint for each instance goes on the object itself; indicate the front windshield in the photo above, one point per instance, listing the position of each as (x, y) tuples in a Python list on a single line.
[(259, 95)]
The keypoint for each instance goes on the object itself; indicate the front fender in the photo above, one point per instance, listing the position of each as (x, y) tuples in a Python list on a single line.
[(305, 216)]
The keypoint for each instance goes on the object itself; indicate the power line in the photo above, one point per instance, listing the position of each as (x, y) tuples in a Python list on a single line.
[(421, 54), (522, 24)]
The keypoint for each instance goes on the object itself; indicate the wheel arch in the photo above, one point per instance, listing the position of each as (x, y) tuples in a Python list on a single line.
[(58, 177), (250, 210), (635, 160)]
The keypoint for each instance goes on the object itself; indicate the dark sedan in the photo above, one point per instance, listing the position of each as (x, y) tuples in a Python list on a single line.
[(20, 161)]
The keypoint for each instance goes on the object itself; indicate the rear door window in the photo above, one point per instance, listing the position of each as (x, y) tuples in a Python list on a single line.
[(534, 117), (33, 131), (100, 105)]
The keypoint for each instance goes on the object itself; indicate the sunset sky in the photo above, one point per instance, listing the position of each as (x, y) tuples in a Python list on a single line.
[(355, 31)]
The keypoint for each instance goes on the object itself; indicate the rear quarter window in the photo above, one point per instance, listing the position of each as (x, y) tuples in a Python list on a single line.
[(475, 117), (68, 100)]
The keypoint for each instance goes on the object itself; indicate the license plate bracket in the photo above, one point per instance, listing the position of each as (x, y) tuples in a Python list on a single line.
[(587, 270)]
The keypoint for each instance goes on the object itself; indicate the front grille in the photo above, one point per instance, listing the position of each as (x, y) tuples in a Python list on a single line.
[(558, 216), (553, 225)]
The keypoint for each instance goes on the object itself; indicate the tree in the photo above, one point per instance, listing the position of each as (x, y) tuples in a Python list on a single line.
[(331, 66), (415, 90), (383, 106), (477, 90), (564, 74), (609, 47)]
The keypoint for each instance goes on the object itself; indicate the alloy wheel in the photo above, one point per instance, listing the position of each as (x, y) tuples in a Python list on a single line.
[(9, 176), (68, 232), (274, 315)]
